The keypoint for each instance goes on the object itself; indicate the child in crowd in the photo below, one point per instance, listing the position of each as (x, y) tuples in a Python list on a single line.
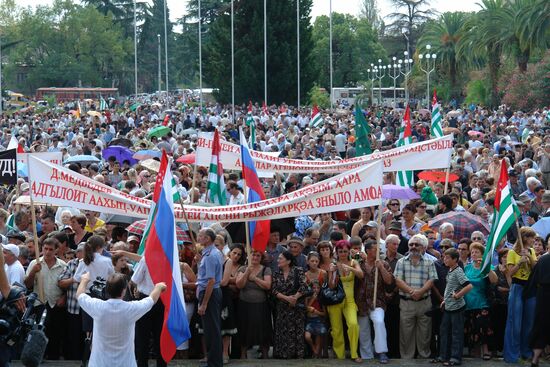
[(316, 327), (453, 305)]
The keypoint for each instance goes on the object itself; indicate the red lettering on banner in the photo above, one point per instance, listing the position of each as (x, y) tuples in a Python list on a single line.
[(54, 175), (348, 180)]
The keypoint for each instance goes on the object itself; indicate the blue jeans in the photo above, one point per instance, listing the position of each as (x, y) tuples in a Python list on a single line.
[(451, 333), (521, 315)]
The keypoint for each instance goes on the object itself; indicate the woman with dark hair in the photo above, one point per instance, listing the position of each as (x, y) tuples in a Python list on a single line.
[(345, 270), (326, 255), (78, 223), (289, 284), (254, 323), (521, 310), (366, 216), (231, 266)]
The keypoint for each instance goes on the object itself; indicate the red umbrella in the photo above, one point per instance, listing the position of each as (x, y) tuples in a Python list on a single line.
[(475, 133), (187, 159), (139, 227), (437, 176)]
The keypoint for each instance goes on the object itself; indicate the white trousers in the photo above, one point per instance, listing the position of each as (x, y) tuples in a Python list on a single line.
[(365, 340)]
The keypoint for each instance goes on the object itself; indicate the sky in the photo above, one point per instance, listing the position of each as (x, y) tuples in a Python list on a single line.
[(320, 7)]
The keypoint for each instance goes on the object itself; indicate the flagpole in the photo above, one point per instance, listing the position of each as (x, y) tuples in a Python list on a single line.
[(447, 173), (330, 57), (298, 48), (200, 67), (247, 229), (265, 51), (166, 46), (39, 280), (135, 51), (187, 220), (232, 63)]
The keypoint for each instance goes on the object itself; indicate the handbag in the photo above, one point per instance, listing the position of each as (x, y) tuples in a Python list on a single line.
[(332, 296)]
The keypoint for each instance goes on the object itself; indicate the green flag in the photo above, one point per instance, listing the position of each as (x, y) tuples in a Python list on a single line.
[(362, 131), (436, 130)]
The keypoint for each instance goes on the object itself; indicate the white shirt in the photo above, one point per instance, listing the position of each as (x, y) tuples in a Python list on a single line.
[(114, 327), (15, 273), (340, 142), (142, 278), (102, 267), (236, 200)]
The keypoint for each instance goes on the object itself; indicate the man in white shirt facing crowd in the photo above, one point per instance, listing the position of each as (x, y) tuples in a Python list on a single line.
[(14, 270), (114, 320)]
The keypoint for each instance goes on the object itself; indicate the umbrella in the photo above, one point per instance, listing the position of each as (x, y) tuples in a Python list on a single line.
[(22, 170), (463, 222), (424, 111), (121, 141), (94, 113), (187, 159), (146, 154), (139, 227), (542, 227), (437, 176), (120, 153), (189, 131), (123, 220), (450, 130), (476, 133), (454, 113), (82, 159), (159, 131), (398, 192), (156, 104), (151, 164)]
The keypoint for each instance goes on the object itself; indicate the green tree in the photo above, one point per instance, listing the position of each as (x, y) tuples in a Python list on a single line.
[(481, 39), (249, 55), (355, 47), (534, 28), (443, 34), (410, 15)]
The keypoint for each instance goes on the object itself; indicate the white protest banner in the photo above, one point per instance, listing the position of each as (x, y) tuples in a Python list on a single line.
[(52, 157), (59, 186), (430, 154)]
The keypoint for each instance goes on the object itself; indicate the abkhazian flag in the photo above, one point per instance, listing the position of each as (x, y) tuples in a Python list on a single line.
[(405, 178), (162, 260), (264, 109), (252, 125), (505, 214), (102, 104), (436, 130), (362, 132), (316, 117), (216, 184)]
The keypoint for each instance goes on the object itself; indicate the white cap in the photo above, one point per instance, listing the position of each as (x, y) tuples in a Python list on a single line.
[(14, 249)]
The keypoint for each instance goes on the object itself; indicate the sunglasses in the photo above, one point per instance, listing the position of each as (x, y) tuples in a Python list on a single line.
[(477, 238), (415, 244), (394, 204), (423, 206)]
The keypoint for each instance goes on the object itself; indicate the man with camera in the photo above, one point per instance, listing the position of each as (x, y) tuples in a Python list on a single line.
[(114, 320)]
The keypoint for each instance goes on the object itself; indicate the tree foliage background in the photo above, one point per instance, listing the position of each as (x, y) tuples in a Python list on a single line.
[(486, 56)]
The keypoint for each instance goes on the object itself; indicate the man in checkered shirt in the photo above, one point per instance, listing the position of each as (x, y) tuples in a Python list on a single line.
[(414, 276), (75, 336)]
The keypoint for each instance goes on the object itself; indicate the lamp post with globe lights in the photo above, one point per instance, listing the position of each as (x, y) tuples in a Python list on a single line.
[(394, 75), (428, 69), (406, 71), (380, 75), (372, 77)]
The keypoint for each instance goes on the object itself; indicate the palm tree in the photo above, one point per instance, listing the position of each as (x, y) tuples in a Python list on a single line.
[(482, 38), (444, 35), (534, 25), (107, 6)]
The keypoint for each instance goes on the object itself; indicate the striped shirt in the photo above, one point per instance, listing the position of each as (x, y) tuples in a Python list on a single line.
[(415, 275), (456, 280)]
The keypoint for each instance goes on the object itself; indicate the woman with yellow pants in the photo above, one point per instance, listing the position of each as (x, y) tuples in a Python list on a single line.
[(345, 270)]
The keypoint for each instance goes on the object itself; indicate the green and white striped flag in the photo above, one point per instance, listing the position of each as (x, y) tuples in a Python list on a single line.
[(216, 186), (316, 117), (436, 130), (525, 135), (405, 178), (102, 104), (506, 212)]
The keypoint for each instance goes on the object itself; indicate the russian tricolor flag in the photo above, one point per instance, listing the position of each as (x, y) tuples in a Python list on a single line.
[(259, 230), (161, 257)]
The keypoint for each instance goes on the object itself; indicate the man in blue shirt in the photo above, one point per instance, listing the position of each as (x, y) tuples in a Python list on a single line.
[(210, 296)]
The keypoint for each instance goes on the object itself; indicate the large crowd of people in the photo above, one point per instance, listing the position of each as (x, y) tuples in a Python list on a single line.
[(335, 285)]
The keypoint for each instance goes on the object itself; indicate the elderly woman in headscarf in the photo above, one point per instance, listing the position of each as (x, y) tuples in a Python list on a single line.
[(301, 224)]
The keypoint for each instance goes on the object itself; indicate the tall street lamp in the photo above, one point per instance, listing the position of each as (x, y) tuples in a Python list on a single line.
[(381, 73), (160, 79), (396, 74), (372, 77), (406, 72), (429, 68)]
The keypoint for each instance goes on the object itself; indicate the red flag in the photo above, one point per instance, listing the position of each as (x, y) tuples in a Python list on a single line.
[(434, 99), (20, 149), (166, 120), (501, 184), (407, 121), (264, 108), (250, 107)]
